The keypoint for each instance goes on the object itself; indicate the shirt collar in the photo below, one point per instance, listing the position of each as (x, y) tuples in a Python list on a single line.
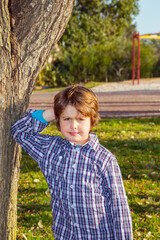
[(92, 143)]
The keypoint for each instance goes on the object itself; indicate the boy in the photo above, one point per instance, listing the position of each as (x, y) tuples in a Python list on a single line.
[(88, 199)]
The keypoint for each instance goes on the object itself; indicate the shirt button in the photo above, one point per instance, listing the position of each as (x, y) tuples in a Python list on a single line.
[(74, 165), (73, 206), (71, 186)]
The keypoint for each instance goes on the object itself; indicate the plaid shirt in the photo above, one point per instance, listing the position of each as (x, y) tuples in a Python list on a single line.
[(88, 199)]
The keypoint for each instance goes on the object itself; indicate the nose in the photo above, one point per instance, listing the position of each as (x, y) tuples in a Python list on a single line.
[(73, 124)]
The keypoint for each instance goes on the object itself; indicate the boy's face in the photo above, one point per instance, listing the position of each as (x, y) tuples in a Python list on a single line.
[(74, 126)]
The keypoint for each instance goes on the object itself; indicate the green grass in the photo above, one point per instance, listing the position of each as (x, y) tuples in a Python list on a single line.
[(49, 89), (136, 144), (56, 89)]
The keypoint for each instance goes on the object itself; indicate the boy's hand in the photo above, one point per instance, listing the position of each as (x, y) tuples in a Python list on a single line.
[(48, 115)]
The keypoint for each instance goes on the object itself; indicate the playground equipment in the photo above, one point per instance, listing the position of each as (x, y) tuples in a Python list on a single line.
[(138, 37)]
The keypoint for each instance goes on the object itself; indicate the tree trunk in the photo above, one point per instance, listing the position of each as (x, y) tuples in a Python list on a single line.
[(28, 31)]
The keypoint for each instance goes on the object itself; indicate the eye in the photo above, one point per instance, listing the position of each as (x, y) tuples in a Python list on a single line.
[(81, 119), (66, 119)]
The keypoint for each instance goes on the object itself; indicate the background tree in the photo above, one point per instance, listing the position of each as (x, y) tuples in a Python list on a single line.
[(28, 31), (97, 46), (93, 45), (156, 68), (98, 21), (148, 58)]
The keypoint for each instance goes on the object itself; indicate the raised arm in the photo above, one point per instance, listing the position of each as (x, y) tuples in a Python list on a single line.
[(26, 133)]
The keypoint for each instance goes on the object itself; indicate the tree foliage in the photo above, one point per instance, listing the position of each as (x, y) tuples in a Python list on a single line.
[(96, 21), (97, 45), (148, 59)]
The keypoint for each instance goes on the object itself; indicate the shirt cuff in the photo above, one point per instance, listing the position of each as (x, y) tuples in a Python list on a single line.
[(38, 116)]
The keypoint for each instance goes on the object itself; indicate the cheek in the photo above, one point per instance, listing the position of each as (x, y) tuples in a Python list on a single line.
[(63, 126), (87, 127)]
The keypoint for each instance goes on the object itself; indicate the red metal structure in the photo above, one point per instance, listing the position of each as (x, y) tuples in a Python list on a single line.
[(137, 36), (138, 58), (133, 59)]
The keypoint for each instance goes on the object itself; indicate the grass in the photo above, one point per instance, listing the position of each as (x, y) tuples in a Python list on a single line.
[(56, 89), (136, 144)]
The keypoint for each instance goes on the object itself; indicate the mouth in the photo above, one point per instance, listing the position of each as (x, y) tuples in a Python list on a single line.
[(73, 133)]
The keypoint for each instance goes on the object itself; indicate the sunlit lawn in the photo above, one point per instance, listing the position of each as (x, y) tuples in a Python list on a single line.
[(136, 144), (57, 89)]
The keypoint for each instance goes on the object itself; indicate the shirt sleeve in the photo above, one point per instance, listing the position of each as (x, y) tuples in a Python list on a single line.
[(26, 132), (120, 212)]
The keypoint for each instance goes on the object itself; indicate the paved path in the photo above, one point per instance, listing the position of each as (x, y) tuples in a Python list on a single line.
[(117, 100)]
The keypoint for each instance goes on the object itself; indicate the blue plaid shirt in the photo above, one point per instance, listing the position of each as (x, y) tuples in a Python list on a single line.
[(88, 199)]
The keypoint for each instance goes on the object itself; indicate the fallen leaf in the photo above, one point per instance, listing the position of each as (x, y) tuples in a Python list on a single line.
[(40, 224), (36, 180)]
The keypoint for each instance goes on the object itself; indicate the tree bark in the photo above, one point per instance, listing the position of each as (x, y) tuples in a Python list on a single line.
[(28, 31)]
